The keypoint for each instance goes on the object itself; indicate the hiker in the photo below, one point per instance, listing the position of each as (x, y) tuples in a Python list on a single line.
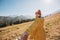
[(37, 31)]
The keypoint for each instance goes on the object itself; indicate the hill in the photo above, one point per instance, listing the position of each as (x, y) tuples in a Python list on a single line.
[(51, 26)]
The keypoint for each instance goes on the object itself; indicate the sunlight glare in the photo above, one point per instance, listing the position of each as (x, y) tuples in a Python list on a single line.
[(48, 1)]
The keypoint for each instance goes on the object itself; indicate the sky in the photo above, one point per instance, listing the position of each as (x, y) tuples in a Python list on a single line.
[(28, 7)]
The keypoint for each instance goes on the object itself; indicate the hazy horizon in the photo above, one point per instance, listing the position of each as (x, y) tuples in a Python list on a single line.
[(28, 7)]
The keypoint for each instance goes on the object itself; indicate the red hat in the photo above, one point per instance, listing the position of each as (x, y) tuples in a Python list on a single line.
[(38, 12)]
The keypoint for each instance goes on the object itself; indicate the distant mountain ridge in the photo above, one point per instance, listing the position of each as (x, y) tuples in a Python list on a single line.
[(14, 19)]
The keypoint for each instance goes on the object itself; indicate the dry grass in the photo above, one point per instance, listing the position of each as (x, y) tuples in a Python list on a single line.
[(11, 32), (52, 27)]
